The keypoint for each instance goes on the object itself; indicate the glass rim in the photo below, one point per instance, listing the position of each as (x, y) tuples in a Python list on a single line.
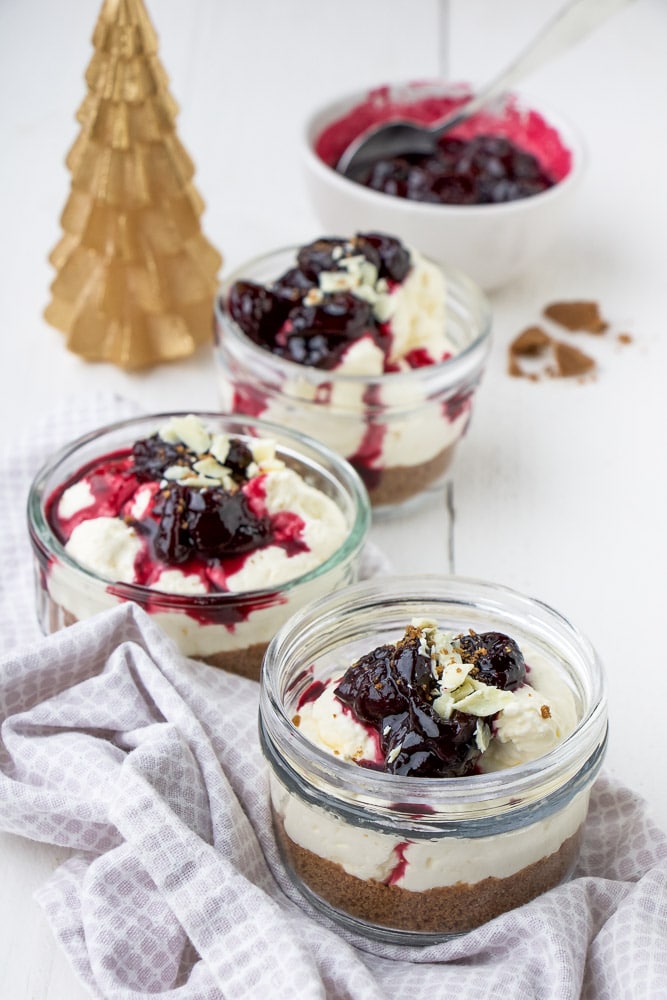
[(43, 537), (364, 784)]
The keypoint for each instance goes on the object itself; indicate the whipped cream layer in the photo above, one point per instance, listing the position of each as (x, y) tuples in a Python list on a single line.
[(509, 725), (418, 865), (226, 516)]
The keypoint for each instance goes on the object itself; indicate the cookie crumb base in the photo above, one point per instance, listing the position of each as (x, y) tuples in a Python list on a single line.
[(246, 662), (395, 485), (445, 910)]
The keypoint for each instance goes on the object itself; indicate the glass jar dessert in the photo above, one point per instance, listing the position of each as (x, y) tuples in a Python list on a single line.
[(374, 349), (219, 527), (431, 745)]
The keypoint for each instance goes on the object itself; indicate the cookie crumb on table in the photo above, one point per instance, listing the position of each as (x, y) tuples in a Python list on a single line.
[(535, 354), (577, 315), (570, 360), (531, 342)]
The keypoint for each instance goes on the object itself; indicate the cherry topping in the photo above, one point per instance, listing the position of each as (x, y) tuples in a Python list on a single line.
[(294, 319), (257, 310), (211, 521), (293, 284), (152, 457), (238, 458), (391, 689), (393, 256), (486, 169), (497, 657), (379, 684), (320, 256)]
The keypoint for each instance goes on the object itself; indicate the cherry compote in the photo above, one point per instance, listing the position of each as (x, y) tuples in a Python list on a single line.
[(212, 523), (485, 169), (294, 319), (392, 689)]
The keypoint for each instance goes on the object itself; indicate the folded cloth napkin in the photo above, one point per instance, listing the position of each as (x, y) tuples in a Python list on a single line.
[(149, 765)]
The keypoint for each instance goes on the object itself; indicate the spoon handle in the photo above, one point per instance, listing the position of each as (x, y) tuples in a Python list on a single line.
[(571, 24)]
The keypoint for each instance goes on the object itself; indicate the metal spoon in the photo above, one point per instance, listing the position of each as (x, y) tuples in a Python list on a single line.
[(398, 138)]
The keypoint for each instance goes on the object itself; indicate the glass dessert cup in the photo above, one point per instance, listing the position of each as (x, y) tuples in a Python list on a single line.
[(228, 629), (415, 860), (399, 430)]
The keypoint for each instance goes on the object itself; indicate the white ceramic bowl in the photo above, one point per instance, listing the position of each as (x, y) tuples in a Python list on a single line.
[(492, 243)]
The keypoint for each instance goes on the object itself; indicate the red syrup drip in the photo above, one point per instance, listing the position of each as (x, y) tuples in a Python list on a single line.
[(413, 809), (419, 357), (314, 690), (399, 869), (252, 402), (112, 486), (369, 453), (286, 527), (527, 129), (453, 407)]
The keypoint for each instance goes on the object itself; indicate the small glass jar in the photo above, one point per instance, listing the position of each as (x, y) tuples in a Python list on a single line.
[(229, 629), (399, 430), (415, 860)]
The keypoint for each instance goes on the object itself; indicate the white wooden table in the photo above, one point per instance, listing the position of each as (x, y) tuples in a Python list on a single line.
[(560, 488)]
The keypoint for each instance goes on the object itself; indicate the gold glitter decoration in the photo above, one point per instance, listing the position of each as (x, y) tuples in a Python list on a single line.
[(136, 277)]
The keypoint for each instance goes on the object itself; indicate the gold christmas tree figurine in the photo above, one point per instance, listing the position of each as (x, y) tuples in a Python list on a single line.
[(136, 277)]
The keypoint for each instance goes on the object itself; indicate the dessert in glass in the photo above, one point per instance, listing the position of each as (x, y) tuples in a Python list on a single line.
[(219, 527), (431, 744), (373, 348)]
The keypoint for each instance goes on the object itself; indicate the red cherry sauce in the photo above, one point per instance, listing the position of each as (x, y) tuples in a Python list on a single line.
[(398, 871), (530, 157), (312, 692), (182, 528)]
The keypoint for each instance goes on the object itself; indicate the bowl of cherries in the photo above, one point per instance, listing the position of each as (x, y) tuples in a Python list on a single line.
[(491, 201)]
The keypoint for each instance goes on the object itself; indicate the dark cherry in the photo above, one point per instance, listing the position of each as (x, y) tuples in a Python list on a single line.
[(257, 310), (340, 314), (292, 285), (170, 538), (390, 689), (318, 334), (325, 254), (319, 256), (486, 169), (497, 657), (212, 522), (239, 457), (223, 524), (429, 746), (379, 684), (152, 457), (393, 255)]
